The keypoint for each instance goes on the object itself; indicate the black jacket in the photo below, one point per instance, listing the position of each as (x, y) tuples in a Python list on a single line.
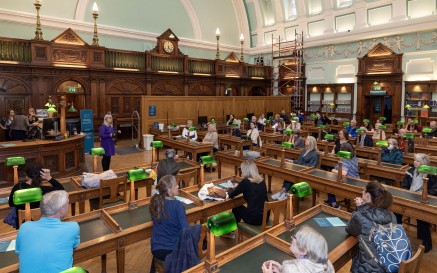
[(166, 167), (408, 179), (368, 141), (360, 225)]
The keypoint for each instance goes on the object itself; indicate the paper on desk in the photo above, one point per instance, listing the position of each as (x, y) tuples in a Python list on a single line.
[(7, 246), (335, 222), (184, 200), (4, 200)]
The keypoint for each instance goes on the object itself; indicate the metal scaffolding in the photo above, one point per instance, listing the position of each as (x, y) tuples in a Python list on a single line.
[(288, 77)]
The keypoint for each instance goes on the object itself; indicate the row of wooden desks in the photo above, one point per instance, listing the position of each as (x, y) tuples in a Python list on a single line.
[(405, 202), (367, 167), (274, 244), (114, 228), (191, 147), (79, 195)]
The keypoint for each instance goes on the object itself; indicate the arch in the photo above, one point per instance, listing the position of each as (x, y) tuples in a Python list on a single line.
[(126, 87), (13, 85), (61, 81), (167, 88)]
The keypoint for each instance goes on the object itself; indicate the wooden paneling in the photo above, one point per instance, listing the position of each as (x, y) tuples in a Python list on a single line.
[(179, 109)]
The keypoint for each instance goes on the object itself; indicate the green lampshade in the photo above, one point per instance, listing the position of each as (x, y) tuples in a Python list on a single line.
[(222, 223), (426, 130), (288, 131), (361, 131), (51, 110), (287, 144), (301, 189), (344, 154), (383, 127), (212, 121), (271, 118), (74, 269), (72, 110), (14, 161), (431, 170), (313, 116), (157, 144), (97, 151), (321, 127), (267, 121), (245, 119), (346, 123), (409, 135), (293, 115), (295, 118), (415, 121), (366, 120), (408, 106), (426, 106), (382, 118), (400, 123), (207, 159), (136, 174), (191, 128), (329, 137), (27, 196), (331, 104), (333, 115), (382, 143), (234, 124)]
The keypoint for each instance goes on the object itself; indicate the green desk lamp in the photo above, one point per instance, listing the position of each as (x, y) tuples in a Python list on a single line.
[(155, 152), (301, 189), (205, 160), (320, 127), (132, 176), (342, 154), (75, 269), (244, 123), (346, 124), (26, 197), (366, 120), (401, 123), (96, 152), (15, 162), (381, 144), (287, 145)]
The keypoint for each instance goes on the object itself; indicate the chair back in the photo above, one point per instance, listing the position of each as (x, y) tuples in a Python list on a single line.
[(184, 179), (412, 265), (113, 184), (203, 236), (275, 207), (35, 215)]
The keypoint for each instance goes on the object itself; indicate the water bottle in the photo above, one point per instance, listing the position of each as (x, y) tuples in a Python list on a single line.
[(222, 223)]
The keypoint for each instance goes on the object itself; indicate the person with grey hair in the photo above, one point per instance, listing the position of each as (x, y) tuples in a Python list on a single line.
[(392, 154), (47, 245), (403, 143), (365, 140), (311, 252), (107, 133), (168, 165), (413, 181)]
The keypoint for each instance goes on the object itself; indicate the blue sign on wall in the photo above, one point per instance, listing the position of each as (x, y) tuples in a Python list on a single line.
[(152, 110), (86, 120), (156, 125)]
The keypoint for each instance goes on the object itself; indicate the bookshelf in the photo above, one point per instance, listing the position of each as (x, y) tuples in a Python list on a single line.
[(417, 95), (338, 98)]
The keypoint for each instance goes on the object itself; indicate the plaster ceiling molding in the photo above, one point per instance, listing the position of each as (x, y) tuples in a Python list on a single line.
[(81, 9), (316, 73), (419, 69), (243, 22), (193, 18)]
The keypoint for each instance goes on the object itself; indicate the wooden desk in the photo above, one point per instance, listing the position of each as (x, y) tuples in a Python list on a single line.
[(268, 137), (114, 228), (274, 244), (234, 141), (79, 195), (65, 157), (430, 150), (164, 132), (194, 148)]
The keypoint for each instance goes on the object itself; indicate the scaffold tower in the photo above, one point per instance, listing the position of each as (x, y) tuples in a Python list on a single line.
[(288, 77)]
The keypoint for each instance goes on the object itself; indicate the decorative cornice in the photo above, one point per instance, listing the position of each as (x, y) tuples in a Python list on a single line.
[(193, 18), (79, 15)]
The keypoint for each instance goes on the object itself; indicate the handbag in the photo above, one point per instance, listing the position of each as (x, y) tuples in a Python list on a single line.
[(11, 218)]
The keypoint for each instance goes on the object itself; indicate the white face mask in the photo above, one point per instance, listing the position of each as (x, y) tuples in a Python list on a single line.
[(390, 147)]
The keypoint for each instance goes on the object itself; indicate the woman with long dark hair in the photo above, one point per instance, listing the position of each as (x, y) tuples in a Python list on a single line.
[(35, 175), (168, 216)]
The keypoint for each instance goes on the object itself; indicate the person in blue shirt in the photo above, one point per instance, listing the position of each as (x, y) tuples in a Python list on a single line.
[(352, 128), (47, 245), (349, 168), (168, 216)]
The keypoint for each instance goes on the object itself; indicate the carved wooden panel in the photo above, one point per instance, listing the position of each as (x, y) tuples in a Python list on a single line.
[(114, 106), (72, 56), (127, 105), (98, 57), (41, 52), (126, 87), (69, 37), (232, 69), (375, 66), (69, 160), (201, 89), (51, 162), (18, 104), (12, 86), (165, 88)]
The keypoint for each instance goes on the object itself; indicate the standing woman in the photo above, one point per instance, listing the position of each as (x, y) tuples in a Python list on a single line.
[(168, 216), (372, 207), (35, 175), (107, 133), (254, 190), (5, 124), (33, 131), (19, 126)]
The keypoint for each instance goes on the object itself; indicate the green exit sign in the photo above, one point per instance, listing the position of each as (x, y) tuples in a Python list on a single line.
[(71, 90)]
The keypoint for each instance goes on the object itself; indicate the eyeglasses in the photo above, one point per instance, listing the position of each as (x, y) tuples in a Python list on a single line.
[(293, 237)]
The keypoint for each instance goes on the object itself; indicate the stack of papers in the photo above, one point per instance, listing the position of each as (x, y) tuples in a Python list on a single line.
[(330, 222), (6, 246), (184, 200)]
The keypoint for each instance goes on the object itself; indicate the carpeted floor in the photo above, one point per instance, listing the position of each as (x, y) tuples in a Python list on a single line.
[(127, 150)]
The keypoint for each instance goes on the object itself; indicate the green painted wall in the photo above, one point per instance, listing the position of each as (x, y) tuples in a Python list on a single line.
[(53, 8)]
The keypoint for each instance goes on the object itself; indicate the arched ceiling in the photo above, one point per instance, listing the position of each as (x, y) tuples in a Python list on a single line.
[(135, 24)]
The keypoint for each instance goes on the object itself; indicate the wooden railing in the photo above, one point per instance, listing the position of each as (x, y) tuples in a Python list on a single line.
[(15, 50), (125, 59), (201, 66), (171, 64)]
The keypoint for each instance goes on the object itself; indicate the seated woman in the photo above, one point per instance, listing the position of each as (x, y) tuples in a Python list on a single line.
[(413, 181), (295, 124), (254, 190), (309, 157), (35, 175), (296, 139), (253, 134), (378, 134), (372, 207), (392, 154), (411, 126), (368, 126), (212, 137), (186, 132), (343, 137), (230, 120), (310, 250), (168, 216), (349, 168), (261, 122)]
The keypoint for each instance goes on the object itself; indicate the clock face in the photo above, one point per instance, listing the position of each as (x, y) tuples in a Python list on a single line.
[(168, 47)]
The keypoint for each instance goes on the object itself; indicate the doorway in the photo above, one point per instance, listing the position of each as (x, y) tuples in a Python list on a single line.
[(378, 106)]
